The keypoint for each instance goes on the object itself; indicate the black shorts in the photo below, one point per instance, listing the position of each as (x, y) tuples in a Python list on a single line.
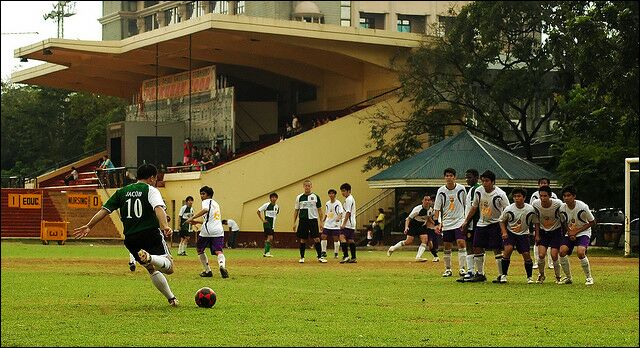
[(150, 240), (417, 230), (268, 231), (470, 236), (308, 228), (184, 233)]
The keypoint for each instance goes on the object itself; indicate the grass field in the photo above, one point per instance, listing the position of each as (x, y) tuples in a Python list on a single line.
[(82, 295)]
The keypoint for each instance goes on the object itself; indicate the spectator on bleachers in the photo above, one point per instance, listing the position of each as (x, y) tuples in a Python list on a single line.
[(105, 171), (288, 131), (295, 124), (187, 148), (73, 175)]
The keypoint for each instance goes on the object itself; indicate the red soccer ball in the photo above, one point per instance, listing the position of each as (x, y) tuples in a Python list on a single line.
[(206, 297)]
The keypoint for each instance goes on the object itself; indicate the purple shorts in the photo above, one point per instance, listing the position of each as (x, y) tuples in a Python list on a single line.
[(331, 232), (551, 239), (348, 233), (580, 241), (434, 237), (214, 244), (520, 242), (488, 237), (450, 236)]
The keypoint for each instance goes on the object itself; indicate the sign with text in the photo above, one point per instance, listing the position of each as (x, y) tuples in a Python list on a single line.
[(25, 201), (83, 200), (175, 86)]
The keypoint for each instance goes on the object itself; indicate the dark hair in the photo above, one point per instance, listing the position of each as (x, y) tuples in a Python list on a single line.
[(189, 198), (519, 190), (450, 170), (546, 189), (208, 190), (345, 186), (473, 172), (571, 189), (381, 210), (146, 171), (224, 222), (545, 179), (273, 194), (332, 190), (489, 175)]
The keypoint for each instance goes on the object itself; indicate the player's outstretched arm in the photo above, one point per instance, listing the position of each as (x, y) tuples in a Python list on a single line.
[(82, 231)]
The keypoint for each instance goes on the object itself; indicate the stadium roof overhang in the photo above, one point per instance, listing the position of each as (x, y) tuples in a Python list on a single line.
[(301, 51)]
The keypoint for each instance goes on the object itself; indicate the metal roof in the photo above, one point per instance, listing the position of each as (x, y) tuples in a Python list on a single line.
[(460, 152)]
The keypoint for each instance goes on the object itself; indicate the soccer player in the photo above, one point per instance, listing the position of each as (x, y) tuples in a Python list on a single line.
[(211, 234), (578, 220), (186, 211), (416, 225), (450, 200), (331, 223), (548, 230), (132, 263), (514, 225), (536, 195), (270, 211), (143, 216), (309, 208), (491, 201), (348, 227), (234, 229), (471, 176)]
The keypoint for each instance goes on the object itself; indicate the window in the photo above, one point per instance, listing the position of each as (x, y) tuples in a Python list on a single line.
[(150, 22), (149, 3), (221, 7), (171, 16), (131, 6), (404, 26), (345, 13), (132, 27), (444, 24), (239, 7), (366, 22), (372, 20)]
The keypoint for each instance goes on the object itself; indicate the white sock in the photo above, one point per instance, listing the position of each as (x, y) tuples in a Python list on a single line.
[(180, 247), (160, 282), (447, 259), (586, 267), (221, 260), (323, 244), (549, 259), (536, 254), (499, 264), (479, 261), (421, 250), (564, 262), (131, 258), (398, 245), (556, 268), (540, 262), (462, 255), (161, 262), (205, 262), (470, 265), (336, 247)]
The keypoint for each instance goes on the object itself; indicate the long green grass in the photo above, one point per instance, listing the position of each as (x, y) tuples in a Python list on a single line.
[(82, 295)]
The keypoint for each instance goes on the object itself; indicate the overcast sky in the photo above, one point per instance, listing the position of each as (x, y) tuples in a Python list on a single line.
[(23, 17)]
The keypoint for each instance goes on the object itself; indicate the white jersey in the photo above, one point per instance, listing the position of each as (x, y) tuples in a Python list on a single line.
[(212, 225), (577, 217), (549, 218), (450, 203), (350, 207), (419, 216), (233, 225), (270, 212), (518, 219), (185, 213), (334, 213), (536, 195), (491, 205)]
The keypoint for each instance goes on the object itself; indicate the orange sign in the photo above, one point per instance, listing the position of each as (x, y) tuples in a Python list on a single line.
[(94, 201), (14, 200), (77, 200), (25, 201), (175, 86)]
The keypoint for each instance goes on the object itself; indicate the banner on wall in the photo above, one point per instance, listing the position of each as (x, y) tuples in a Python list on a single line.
[(176, 86)]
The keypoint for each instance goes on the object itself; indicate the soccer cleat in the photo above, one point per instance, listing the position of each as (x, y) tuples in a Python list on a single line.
[(389, 252), (345, 259), (541, 279), (421, 259), (267, 255), (461, 272), (144, 256), (478, 278), (497, 280), (465, 277), (503, 279), (530, 281), (132, 266), (223, 272), (589, 281), (301, 260), (206, 274), (565, 280), (352, 261), (535, 266), (436, 259), (173, 302), (322, 260), (447, 273), (550, 266), (335, 255)]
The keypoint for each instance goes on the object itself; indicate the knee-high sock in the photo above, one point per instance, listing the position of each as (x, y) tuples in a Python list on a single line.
[(160, 282), (462, 256), (205, 262), (181, 246), (131, 258), (161, 262), (323, 244), (470, 265), (302, 247), (536, 254), (564, 262), (336, 247), (528, 267), (222, 260), (345, 249), (267, 246), (499, 263), (352, 246), (479, 261), (550, 260), (447, 259), (505, 265), (540, 262), (556, 268), (318, 249), (421, 250), (586, 267), (398, 245)]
